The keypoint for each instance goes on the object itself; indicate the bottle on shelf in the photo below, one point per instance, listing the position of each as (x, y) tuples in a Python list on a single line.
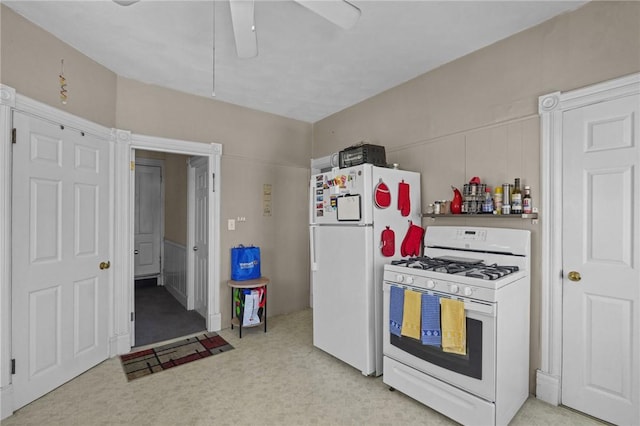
[(527, 207), (516, 198), (487, 203), (497, 200), (506, 198)]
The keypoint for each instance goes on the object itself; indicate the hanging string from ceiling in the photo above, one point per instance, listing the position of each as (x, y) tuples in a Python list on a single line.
[(213, 68)]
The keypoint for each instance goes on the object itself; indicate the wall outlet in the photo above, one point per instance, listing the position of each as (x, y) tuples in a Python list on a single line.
[(231, 224)]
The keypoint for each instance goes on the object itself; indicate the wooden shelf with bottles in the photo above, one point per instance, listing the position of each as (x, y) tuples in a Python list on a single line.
[(529, 216)]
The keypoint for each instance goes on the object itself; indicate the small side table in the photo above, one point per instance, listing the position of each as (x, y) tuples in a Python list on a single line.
[(248, 284)]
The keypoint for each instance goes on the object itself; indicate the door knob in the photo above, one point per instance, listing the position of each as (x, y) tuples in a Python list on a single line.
[(105, 265), (195, 248), (136, 251), (574, 276)]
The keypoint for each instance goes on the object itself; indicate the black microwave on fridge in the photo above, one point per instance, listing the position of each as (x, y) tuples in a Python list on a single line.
[(362, 154)]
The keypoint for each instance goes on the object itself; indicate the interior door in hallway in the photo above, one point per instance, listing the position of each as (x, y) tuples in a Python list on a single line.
[(148, 220), (601, 260), (201, 249), (61, 229)]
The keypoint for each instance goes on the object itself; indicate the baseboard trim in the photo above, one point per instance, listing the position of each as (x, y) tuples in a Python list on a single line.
[(547, 388), (214, 322), (182, 298)]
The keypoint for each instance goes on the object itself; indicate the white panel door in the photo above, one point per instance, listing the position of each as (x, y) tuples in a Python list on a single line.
[(148, 226), (201, 249), (343, 299), (601, 256), (60, 223)]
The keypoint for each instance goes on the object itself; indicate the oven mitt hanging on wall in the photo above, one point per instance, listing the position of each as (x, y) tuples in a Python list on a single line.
[(412, 241), (388, 242), (382, 195), (404, 200)]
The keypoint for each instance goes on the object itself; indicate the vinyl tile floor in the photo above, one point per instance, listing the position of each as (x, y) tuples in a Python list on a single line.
[(272, 378)]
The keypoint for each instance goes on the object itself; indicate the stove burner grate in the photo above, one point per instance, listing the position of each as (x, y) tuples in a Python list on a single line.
[(475, 270)]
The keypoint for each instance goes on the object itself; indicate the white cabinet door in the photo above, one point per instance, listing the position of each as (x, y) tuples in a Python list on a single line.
[(61, 231), (343, 299), (148, 224), (601, 243)]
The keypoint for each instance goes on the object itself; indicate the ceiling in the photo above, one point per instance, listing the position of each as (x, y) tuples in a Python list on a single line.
[(307, 68)]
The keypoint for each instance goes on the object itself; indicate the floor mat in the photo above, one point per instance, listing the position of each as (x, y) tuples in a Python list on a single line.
[(160, 358)]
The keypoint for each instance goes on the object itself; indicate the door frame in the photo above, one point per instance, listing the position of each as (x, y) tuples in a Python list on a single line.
[(551, 108), (156, 163), (11, 101), (127, 143)]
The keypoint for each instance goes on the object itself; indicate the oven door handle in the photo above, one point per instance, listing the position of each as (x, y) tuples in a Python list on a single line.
[(470, 306)]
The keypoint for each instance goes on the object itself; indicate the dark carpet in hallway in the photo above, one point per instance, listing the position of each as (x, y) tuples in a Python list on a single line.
[(160, 317)]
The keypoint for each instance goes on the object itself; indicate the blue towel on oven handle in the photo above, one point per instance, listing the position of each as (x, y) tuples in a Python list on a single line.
[(430, 333), (396, 306)]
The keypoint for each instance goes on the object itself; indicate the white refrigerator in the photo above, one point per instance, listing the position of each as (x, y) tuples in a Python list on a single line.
[(359, 220)]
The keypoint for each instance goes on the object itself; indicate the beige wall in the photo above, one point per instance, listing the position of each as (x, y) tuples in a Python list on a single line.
[(258, 148), (477, 116), (175, 198), (30, 63), (498, 83)]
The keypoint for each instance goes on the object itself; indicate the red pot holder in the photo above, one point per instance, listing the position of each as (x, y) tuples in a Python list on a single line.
[(382, 195), (388, 242)]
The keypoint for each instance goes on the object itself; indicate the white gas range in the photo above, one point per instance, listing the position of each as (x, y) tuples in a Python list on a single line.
[(487, 269)]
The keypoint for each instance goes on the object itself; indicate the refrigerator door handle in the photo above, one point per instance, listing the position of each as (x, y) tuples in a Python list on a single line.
[(312, 239)]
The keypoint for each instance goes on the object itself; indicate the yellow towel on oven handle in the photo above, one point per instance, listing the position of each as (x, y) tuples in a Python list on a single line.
[(411, 314), (454, 326)]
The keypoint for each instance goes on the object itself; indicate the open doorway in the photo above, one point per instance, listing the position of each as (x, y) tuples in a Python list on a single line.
[(162, 298), (125, 314)]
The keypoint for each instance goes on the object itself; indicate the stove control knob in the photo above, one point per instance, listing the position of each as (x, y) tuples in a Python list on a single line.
[(409, 280), (400, 278), (454, 288), (431, 284), (468, 291)]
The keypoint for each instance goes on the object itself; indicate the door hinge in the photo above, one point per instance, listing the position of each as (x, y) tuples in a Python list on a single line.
[(213, 182), (133, 316), (13, 366), (13, 135), (132, 166)]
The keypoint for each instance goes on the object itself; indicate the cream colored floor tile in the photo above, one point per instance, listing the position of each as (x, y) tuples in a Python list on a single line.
[(273, 378)]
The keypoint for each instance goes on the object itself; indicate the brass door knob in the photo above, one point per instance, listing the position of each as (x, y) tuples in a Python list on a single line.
[(574, 276), (105, 265)]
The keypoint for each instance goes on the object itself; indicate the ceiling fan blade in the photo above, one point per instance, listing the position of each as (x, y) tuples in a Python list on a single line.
[(340, 12), (244, 27), (125, 2)]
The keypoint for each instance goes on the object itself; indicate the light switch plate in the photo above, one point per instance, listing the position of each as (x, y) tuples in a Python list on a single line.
[(231, 225)]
